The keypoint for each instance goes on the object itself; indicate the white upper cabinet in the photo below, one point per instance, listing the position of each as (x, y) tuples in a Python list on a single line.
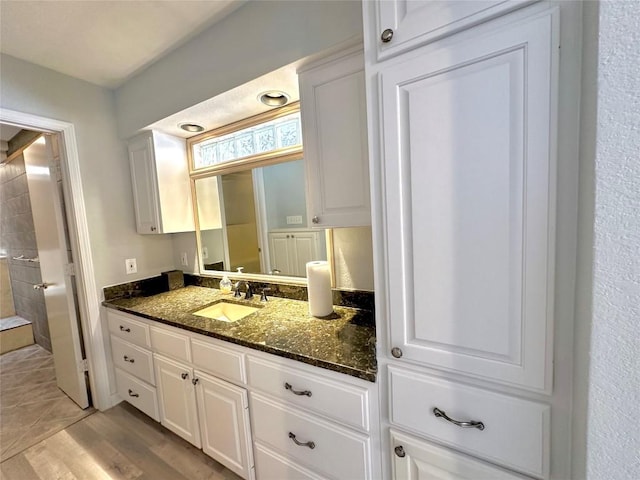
[(405, 24), (334, 128), (160, 180), (470, 180)]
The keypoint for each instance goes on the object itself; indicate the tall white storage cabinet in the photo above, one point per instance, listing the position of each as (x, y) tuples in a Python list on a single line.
[(161, 186), (463, 106)]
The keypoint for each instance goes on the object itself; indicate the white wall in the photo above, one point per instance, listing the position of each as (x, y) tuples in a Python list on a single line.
[(613, 441), (256, 39), (103, 163), (353, 258)]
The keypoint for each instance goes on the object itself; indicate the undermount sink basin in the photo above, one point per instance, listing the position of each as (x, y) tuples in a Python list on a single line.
[(226, 311)]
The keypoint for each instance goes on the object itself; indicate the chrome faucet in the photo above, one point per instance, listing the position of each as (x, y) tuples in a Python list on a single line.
[(248, 292)]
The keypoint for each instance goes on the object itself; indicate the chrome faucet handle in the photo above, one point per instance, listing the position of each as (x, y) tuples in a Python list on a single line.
[(249, 292), (263, 297)]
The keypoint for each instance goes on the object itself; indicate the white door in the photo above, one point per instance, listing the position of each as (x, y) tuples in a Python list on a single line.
[(47, 208), (177, 398), (469, 180), (224, 423)]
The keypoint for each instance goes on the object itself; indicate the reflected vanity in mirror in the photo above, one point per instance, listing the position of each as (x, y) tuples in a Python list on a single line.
[(250, 200), (254, 220)]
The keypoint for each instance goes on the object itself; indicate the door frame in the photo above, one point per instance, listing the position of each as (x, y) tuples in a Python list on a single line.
[(88, 296)]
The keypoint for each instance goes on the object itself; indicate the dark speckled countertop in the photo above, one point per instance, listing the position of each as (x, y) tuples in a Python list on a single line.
[(344, 342)]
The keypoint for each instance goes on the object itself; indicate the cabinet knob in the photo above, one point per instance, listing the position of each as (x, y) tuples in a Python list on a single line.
[(184, 376), (399, 451), (315, 219), (386, 36), (195, 381), (153, 229), (396, 352)]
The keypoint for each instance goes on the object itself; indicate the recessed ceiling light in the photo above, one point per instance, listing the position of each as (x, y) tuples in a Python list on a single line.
[(274, 98), (191, 127)]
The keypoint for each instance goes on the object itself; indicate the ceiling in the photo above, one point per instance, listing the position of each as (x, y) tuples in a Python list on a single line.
[(103, 42), (108, 42)]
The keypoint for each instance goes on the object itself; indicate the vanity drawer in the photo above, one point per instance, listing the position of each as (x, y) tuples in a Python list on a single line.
[(271, 466), (129, 329), (217, 360), (337, 453), (138, 394), (345, 403), (133, 359), (516, 432), (171, 343)]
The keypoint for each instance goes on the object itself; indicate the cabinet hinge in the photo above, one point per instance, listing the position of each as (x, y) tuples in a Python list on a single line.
[(70, 269), (84, 365)]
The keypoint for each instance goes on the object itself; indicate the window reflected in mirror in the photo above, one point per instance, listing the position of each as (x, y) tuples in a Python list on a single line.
[(255, 220)]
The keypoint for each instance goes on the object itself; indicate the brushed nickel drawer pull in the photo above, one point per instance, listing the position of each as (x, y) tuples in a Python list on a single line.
[(122, 329), (311, 445), (131, 394), (287, 386), (128, 359), (470, 424)]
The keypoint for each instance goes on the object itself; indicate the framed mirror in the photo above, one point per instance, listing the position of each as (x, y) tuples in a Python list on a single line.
[(252, 215)]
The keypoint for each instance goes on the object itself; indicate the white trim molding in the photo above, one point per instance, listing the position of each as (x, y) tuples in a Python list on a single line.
[(89, 299)]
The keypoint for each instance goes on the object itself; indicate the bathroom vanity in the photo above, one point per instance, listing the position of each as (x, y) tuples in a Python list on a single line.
[(275, 394)]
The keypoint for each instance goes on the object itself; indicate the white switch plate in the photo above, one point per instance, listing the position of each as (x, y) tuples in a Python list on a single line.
[(183, 259), (294, 219), (131, 265)]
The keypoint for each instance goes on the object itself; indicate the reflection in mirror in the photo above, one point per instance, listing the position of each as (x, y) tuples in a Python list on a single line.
[(254, 220)]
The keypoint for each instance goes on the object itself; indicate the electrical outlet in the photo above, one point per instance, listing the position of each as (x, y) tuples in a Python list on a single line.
[(294, 219), (183, 259), (131, 265), (205, 252)]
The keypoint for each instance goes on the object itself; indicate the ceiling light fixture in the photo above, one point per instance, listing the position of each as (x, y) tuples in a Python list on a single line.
[(274, 98), (191, 127)]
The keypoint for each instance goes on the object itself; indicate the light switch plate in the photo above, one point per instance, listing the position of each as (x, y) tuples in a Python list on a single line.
[(294, 219), (131, 265)]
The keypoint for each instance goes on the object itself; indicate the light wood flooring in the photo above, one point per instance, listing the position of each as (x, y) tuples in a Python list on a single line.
[(45, 436), (121, 443)]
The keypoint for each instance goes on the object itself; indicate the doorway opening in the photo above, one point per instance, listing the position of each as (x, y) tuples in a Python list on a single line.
[(43, 385)]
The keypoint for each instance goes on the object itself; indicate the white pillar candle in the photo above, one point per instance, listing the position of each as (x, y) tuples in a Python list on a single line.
[(319, 289)]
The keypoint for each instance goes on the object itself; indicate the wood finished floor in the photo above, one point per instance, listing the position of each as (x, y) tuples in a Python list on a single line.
[(45, 436), (120, 443)]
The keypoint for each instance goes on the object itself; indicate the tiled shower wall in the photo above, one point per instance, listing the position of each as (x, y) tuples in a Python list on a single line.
[(17, 237)]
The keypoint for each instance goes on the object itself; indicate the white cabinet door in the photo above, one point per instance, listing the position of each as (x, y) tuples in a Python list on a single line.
[(177, 399), (143, 179), (334, 127), (418, 460), (224, 423), (161, 185), (305, 248), (290, 252), (279, 255), (404, 24), (470, 169)]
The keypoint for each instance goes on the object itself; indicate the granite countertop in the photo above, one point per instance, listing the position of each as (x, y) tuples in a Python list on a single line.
[(343, 342)]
